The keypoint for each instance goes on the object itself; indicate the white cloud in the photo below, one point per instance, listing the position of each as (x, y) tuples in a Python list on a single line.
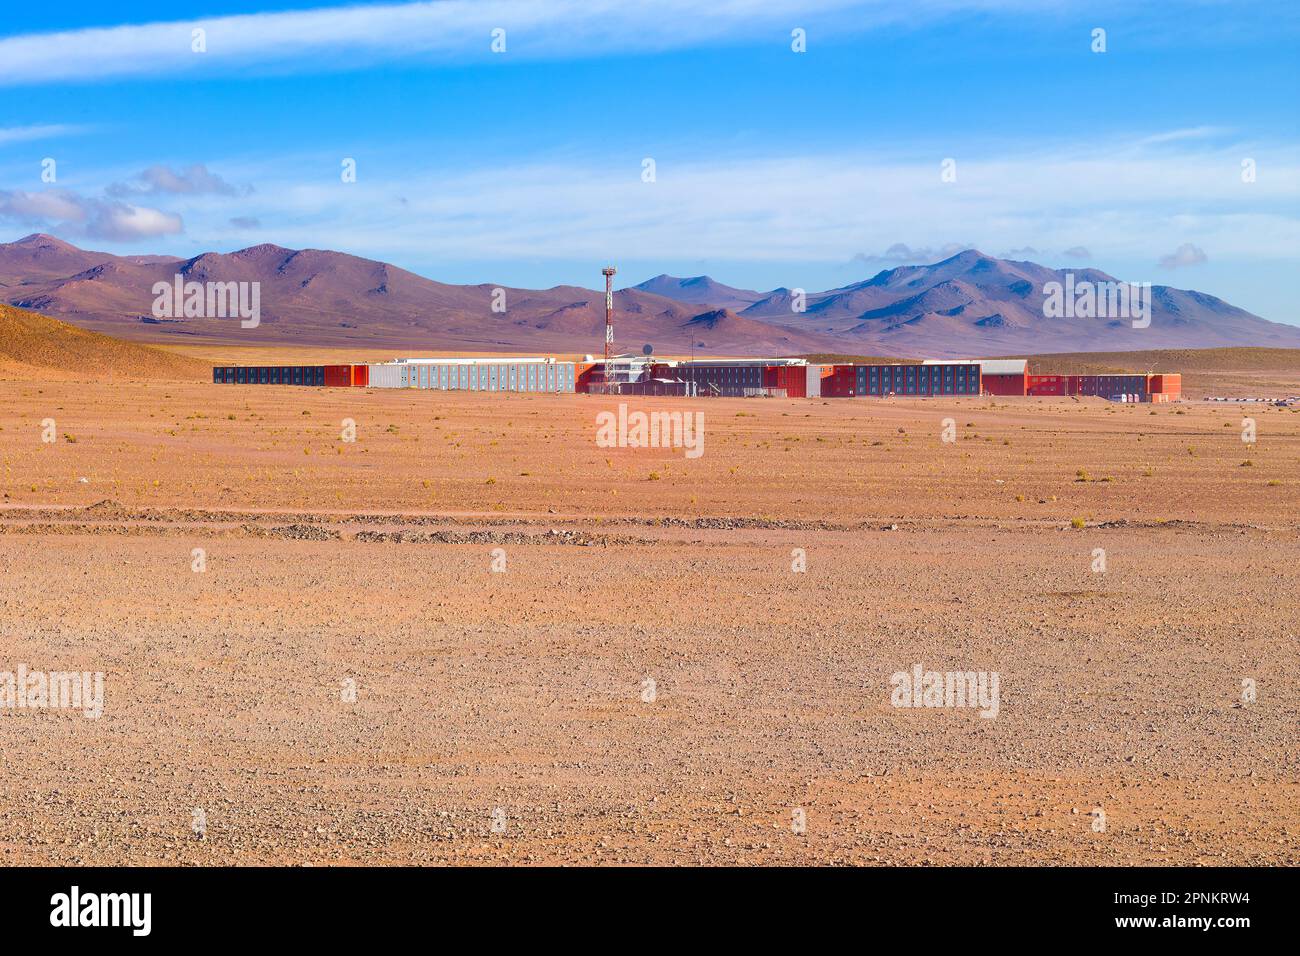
[(76, 215), (445, 30)]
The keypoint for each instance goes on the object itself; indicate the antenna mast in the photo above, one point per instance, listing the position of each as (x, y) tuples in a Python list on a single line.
[(608, 273)]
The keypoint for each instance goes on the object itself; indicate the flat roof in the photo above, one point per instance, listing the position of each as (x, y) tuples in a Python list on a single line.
[(987, 366), (749, 361)]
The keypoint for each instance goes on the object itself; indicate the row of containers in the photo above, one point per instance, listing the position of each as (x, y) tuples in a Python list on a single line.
[(783, 378), (1119, 388), (778, 378), (483, 375), (325, 375)]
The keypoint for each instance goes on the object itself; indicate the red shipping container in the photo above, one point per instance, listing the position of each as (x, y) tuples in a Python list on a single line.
[(1168, 385), (1005, 384), (842, 382), (360, 375), (1046, 385), (838, 386), (792, 378), (338, 376)]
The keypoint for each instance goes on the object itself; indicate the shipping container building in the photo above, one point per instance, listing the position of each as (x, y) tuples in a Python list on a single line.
[(746, 378), (840, 382), (585, 374), (656, 386), (592, 376), (786, 378), (786, 381), (1046, 385), (1114, 387), (851, 381), (475, 374), (313, 375), (724, 379), (1169, 386), (1004, 376), (997, 376), (338, 376)]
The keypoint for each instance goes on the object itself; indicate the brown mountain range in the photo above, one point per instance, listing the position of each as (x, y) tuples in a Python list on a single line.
[(316, 297), (970, 304)]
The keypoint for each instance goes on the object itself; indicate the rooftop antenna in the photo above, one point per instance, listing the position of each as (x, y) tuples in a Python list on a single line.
[(608, 273)]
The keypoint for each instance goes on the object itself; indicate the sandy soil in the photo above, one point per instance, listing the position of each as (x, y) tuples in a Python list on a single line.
[(517, 700)]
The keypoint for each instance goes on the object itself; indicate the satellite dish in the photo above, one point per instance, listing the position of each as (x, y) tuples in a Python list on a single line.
[(647, 350)]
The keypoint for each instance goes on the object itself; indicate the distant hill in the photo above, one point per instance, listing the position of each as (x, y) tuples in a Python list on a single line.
[(40, 256), (31, 342), (700, 290), (967, 305)]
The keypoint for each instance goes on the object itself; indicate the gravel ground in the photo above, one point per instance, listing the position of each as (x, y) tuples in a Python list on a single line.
[(647, 680)]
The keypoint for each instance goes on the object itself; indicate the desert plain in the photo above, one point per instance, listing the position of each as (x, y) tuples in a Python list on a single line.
[(309, 658)]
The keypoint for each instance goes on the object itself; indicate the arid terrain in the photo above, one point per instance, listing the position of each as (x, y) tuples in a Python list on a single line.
[(509, 716)]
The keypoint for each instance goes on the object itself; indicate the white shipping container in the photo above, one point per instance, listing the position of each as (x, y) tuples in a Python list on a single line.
[(479, 375), (385, 376), (814, 389)]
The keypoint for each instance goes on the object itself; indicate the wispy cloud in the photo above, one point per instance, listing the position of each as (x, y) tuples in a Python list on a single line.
[(194, 181), (22, 134), (1024, 252), (821, 207), (1185, 255), (900, 253), (444, 30), (1182, 135)]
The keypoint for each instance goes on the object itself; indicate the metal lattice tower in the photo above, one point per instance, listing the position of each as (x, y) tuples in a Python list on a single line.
[(608, 273)]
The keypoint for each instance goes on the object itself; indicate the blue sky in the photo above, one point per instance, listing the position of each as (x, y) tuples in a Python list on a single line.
[(772, 167)]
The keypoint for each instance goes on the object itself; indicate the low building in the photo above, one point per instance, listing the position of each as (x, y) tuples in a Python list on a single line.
[(950, 378), (997, 376), (475, 374)]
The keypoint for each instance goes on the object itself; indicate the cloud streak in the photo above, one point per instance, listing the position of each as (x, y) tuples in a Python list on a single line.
[(22, 134), (442, 31)]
